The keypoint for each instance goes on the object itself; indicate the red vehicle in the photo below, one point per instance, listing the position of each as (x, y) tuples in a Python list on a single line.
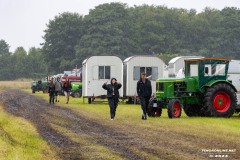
[(71, 79)]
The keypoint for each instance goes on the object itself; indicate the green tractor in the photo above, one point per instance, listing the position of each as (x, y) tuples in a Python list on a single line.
[(205, 91), (40, 85), (76, 90)]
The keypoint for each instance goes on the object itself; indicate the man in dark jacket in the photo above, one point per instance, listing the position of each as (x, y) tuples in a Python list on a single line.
[(144, 91), (113, 95)]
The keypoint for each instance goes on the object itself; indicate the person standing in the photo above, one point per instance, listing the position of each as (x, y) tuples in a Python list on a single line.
[(51, 91), (58, 89), (67, 89), (144, 91), (113, 95)]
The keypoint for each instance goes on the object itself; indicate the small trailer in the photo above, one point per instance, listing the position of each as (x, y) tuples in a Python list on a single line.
[(177, 63), (133, 67), (97, 70), (234, 76)]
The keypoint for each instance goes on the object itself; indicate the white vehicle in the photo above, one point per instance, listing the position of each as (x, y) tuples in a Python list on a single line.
[(134, 66), (96, 70), (176, 64), (234, 76)]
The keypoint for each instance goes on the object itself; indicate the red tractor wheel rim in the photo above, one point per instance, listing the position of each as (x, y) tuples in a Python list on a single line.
[(221, 101), (176, 109)]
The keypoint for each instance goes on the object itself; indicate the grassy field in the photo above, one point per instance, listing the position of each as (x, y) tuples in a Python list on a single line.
[(19, 140), (188, 137), (220, 133)]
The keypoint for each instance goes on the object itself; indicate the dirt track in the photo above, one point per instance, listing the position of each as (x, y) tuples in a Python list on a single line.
[(128, 141)]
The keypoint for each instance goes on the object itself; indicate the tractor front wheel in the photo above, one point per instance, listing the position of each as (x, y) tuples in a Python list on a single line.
[(154, 110), (174, 108), (220, 101)]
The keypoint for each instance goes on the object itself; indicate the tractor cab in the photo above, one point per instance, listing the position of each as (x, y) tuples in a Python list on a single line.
[(206, 70), (204, 91)]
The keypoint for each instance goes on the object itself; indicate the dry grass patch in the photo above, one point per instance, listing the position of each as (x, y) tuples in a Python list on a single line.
[(18, 84)]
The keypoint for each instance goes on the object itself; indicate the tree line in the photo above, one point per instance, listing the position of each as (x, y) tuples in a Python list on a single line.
[(116, 29)]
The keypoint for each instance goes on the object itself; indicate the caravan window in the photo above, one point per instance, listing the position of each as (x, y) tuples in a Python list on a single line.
[(150, 71), (104, 72)]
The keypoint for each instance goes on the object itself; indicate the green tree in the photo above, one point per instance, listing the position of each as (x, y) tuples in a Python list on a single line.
[(230, 32), (61, 37), (6, 67), (20, 68), (107, 31), (4, 47), (161, 30), (36, 65)]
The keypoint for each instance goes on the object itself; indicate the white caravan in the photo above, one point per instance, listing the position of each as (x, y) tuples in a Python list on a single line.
[(234, 76), (97, 70), (176, 65), (134, 66)]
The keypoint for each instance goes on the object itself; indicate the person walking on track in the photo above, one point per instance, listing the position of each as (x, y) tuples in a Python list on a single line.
[(67, 89), (51, 91), (144, 91), (113, 95), (58, 89)]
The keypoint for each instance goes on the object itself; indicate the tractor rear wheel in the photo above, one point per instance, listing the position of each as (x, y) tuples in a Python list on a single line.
[(154, 111), (193, 110), (174, 108), (220, 101)]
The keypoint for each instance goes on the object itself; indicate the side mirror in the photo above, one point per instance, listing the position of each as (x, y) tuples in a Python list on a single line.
[(206, 70)]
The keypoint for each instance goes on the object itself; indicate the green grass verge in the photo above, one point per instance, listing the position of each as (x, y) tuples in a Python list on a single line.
[(19, 140)]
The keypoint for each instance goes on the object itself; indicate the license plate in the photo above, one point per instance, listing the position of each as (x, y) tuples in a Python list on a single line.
[(154, 104)]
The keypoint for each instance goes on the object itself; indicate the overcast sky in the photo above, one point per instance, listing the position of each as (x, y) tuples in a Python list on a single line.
[(22, 22)]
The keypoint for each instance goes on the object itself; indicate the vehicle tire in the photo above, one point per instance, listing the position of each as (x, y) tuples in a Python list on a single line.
[(76, 95), (193, 110), (154, 111), (220, 101), (174, 108), (33, 91)]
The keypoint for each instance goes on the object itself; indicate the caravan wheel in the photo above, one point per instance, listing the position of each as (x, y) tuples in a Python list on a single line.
[(89, 100)]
